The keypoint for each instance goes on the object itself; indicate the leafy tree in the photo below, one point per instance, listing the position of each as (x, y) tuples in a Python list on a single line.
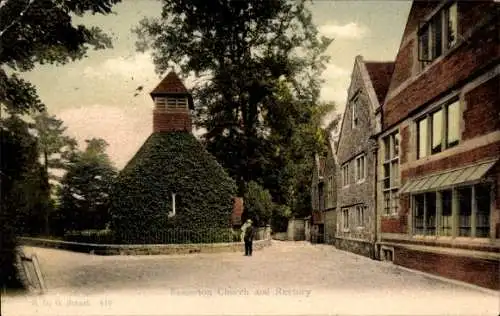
[(84, 193), (263, 59), (55, 150), (258, 204), (35, 32)]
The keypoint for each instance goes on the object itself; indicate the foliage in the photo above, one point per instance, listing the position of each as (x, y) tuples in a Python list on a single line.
[(167, 163), (251, 49), (258, 204), (19, 195), (84, 193), (260, 105), (31, 32)]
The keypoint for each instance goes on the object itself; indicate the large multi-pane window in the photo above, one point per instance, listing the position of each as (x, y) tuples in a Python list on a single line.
[(434, 212), (438, 130), (391, 174), (438, 35)]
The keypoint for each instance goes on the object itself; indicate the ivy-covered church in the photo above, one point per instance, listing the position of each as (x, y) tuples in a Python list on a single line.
[(172, 182)]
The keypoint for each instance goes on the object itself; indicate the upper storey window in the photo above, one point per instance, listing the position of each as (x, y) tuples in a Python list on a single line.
[(438, 34)]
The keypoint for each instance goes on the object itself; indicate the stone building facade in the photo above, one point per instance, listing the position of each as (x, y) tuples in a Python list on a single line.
[(324, 197), (356, 208), (439, 191)]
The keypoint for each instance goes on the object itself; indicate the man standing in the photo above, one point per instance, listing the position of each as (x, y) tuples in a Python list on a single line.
[(249, 233)]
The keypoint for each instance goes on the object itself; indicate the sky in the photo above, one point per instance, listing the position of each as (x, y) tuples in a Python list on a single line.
[(95, 96)]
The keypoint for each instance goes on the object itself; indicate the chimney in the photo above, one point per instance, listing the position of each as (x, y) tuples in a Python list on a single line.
[(172, 108)]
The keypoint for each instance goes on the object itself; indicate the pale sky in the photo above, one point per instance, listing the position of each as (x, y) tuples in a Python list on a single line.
[(95, 96)]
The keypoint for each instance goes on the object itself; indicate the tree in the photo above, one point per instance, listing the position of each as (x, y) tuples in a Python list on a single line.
[(258, 204), (36, 32), (84, 192), (258, 55), (55, 150), (18, 190)]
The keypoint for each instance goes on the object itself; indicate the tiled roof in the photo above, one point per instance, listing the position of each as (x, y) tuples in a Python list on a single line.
[(171, 84), (380, 75)]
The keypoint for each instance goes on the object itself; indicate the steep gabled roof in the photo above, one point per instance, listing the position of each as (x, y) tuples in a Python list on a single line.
[(380, 75), (171, 84)]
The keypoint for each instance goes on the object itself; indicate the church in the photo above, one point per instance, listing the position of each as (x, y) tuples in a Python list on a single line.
[(172, 182)]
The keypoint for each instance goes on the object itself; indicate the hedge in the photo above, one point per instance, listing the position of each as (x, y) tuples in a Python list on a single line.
[(170, 162)]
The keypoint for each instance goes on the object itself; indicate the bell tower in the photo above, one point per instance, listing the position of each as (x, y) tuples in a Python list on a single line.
[(172, 107)]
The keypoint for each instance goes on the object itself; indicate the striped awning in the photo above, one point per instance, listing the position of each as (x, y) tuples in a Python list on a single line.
[(450, 178)]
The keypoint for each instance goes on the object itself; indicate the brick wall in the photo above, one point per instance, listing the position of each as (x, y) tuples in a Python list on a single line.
[(482, 114), (404, 144), (475, 54), (467, 269), (169, 122), (481, 153)]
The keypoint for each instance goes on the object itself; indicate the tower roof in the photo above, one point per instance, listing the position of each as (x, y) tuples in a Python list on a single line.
[(171, 84)]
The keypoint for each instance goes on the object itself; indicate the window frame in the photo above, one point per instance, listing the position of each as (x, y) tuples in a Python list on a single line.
[(357, 178), (394, 178), (354, 113), (445, 125), (345, 175), (441, 228), (360, 215), (427, 28), (345, 219)]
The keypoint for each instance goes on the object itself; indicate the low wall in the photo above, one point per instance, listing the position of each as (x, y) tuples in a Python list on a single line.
[(162, 249), (280, 236)]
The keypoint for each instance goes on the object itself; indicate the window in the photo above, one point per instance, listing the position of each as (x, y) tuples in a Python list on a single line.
[(391, 178), (160, 102), (355, 108), (360, 168), (171, 213), (439, 34), (439, 130), (445, 228), (436, 131), (173, 102), (422, 138), (360, 216), (472, 219), (345, 219), (331, 191), (345, 174)]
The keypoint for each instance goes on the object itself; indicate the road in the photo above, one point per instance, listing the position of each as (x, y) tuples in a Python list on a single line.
[(293, 278)]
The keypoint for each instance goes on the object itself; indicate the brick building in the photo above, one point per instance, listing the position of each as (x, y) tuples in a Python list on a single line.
[(356, 153), (438, 187)]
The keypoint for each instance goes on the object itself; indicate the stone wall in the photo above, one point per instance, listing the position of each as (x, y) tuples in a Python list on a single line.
[(330, 226), (360, 247), (296, 229), (161, 249)]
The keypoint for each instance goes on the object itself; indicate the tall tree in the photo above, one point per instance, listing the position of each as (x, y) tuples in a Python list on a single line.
[(55, 150), (258, 55), (85, 188)]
